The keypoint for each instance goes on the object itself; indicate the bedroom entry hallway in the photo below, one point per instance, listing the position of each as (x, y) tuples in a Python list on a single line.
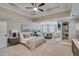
[(52, 47)]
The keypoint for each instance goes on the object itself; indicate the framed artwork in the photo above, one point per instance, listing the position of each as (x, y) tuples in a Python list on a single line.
[(26, 28)]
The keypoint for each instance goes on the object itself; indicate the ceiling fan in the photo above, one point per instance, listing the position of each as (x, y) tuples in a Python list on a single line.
[(36, 7)]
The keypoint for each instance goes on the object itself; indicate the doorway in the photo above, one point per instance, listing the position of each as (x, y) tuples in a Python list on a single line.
[(3, 34)]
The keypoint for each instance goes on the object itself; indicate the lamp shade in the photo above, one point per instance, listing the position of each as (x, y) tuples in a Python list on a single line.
[(14, 31)]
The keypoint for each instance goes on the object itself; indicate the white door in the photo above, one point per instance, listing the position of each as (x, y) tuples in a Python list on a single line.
[(3, 34)]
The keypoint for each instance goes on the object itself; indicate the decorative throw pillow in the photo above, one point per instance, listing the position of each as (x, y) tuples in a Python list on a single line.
[(25, 36)]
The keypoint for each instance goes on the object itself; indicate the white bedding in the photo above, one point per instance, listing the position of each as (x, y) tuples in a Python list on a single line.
[(32, 43)]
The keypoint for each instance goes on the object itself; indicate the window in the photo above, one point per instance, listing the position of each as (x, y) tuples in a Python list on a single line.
[(52, 28), (44, 29)]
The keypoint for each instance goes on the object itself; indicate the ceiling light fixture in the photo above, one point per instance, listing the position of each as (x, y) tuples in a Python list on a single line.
[(35, 8)]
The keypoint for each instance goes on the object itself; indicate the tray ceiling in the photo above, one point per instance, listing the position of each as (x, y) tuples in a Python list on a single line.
[(49, 8)]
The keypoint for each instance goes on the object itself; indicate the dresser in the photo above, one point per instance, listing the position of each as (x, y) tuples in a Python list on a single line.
[(13, 40), (75, 47)]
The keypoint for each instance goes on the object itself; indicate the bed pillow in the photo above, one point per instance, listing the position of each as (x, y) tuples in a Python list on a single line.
[(25, 36)]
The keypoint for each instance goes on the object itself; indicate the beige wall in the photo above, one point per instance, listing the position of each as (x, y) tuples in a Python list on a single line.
[(14, 20)]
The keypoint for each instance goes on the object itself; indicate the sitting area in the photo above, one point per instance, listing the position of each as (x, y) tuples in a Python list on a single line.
[(48, 36)]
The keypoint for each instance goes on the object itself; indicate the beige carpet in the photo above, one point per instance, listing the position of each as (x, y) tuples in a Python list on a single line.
[(50, 48)]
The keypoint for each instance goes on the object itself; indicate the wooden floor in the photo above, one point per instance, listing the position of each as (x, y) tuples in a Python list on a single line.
[(50, 48)]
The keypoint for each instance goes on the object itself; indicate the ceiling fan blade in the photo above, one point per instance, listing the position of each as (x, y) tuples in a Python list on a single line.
[(41, 4), (41, 9), (32, 4), (28, 7)]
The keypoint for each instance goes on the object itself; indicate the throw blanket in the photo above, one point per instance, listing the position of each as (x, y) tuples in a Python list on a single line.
[(32, 43)]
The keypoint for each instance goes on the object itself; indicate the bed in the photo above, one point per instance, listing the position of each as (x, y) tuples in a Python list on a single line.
[(31, 41)]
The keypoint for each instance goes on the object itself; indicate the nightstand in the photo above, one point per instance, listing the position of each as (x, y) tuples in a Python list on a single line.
[(13, 40)]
